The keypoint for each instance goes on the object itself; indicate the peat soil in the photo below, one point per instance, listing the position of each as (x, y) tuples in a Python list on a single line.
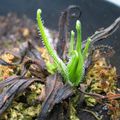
[(13, 31)]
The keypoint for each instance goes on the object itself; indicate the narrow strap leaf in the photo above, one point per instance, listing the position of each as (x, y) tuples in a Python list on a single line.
[(79, 36), (85, 51), (79, 70), (72, 65), (72, 39), (61, 66)]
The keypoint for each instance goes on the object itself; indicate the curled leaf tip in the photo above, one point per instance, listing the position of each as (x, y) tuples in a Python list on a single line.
[(72, 33), (78, 24), (39, 11), (89, 39)]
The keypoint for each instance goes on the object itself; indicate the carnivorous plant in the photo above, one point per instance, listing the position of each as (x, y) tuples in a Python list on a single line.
[(73, 70)]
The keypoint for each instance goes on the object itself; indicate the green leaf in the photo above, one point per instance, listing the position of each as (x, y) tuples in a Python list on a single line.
[(61, 66), (72, 65), (85, 51), (79, 70), (79, 36), (72, 40)]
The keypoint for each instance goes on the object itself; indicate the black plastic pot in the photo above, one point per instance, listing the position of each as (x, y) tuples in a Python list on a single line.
[(95, 14)]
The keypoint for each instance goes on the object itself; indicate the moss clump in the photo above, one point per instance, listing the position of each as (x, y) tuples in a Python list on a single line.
[(24, 106)]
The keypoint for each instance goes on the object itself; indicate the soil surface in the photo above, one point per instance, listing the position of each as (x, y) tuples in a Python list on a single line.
[(14, 30)]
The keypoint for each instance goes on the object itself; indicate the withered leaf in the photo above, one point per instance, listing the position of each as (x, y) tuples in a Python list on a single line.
[(3, 62), (17, 86), (8, 81), (56, 91)]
